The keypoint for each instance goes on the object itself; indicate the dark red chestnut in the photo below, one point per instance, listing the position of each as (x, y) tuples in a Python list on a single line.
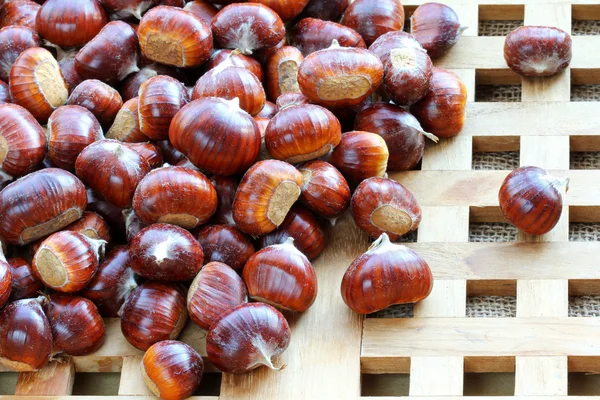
[(282, 71), (4, 93), (126, 127), (91, 225), (236, 59), (386, 274), (324, 190), (102, 100), (373, 19), (133, 225), (436, 27), (153, 312), (216, 290), (170, 153), (130, 87), (225, 244), (24, 282), (165, 252), (268, 111), (286, 9), (202, 9), (128, 8), (6, 281), (247, 337), (312, 34), (67, 68), (39, 204), (149, 152), (19, 12), (226, 187), (326, 10), (13, 41), (537, 50), (531, 199), (361, 155)]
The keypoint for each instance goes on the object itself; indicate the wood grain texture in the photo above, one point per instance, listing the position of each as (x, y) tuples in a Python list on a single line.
[(132, 382), (55, 379)]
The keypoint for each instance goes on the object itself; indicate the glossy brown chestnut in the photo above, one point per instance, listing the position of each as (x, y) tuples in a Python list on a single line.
[(537, 50), (286, 9), (382, 205), (172, 36), (150, 152), (165, 252), (360, 155), (531, 199), (70, 130), (226, 186), (67, 67), (236, 59), (39, 204), (19, 12), (403, 135), (111, 55), (436, 27), (37, 84), (216, 290), (166, 321), (282, 71), (340, 76), (77, 327), (326, 10), (386, 274), (442, 110), (265, 195), (13, 41), (133, 225), (268, 111), (324, 189), (225, 244), (102, 100), (172, 370), (160, 98), (25, 284), (66, 261), (123, 9), (216, 135), (126, 126), (373, 19), (25, 335), (130, 87), (68, 23), (6, 281), (312, 34), (247, 27), (91, 225), (202, 9), (229, 82), (175, 195), (302, 226), (22, 142), (112, 283), (113, 215), (4, 93)]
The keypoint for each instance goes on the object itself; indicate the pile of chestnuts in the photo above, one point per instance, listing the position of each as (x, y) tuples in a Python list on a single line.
[(161, 160)]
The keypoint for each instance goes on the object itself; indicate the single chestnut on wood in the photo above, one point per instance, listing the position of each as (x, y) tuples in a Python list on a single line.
[(361, 155), (265, 195), (166, 320), (387, 274), (226, 244), (172, 370), (282, 71), (324, 190), (13, 41), (126, 126), (25, 335), (102, 100), (236, 59), (248, 337), (312, 34), (172, 36), (19, 12), (373, 19), (91, 225), (436, 27), (537, 50), (39, 204), (24, 282), (531, 199)]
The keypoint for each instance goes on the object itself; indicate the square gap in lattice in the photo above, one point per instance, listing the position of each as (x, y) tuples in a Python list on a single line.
[(492, 307), (495, 160), (395, 385), (584, 231), (493, 93), (585, 92), (96, 384), (584, 160), (586, 20), (489, 384), (8, 383), (583, 384), (492, 232), (500, 20)]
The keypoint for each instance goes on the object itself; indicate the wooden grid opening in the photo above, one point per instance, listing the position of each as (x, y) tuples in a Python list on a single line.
[(96, 384), (499, 20), (490, 384), (385, 385), (585, 20)]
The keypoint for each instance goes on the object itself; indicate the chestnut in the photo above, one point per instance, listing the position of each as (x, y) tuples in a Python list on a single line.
[(407, 67), (386, 274), (165, 252), (302, 226), (265, 195), (170, 153), (178, 204), (91, 225), (326, 10), (286, 9), (112, 283), (247, 27), (66, 261), (111, 55), (247, 337), (235, 59), (291, 99), (25, 335), (37, 84), (229, 82), (436, 27), (312, 34), (172, 36), (160, 98), (373, 19), (226, 186), (130, 87), (113, 215), (70, 130), (264, 54), (172, 370), (216, 290), (126, 127), (25, 284), (19, 12), (22, 142), (225, 244), (360, 155), (4, 93), (340, 76), (442, 110), (123, 9), (6, 281), (268, 111), (282, 71), (537, 50), (202, 9), (216, 135), (13, 41), (112, 170), (153, 312), (133, 225), (68, 23), (531, 199), (77, 327), (39, 204), (67, 68), (102, 100), (324, 189), (149, 152), (403, 135), (382, 205)]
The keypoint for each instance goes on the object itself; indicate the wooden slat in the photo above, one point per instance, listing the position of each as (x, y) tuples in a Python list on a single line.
[(132, 382), (55, 379)]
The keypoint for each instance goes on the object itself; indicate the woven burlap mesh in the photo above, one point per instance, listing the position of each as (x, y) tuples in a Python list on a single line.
[(497, 28)]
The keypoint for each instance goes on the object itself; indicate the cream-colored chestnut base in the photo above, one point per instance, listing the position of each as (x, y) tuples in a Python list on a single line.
[(15, 365), (165, 50), (35, 232), (149, 382), (404, 58), (344, 87), (3, 149), (51, 269), (310, 156), (91, 233), (284, 196), (186, 221), (306, 177), (123, 125), (179, 325), (51, 83), (288, 76), (391, 219)]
